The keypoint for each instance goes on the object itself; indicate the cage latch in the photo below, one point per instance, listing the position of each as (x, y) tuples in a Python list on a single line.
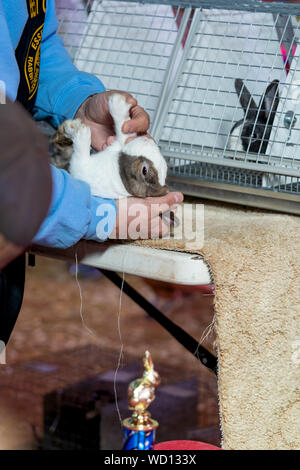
[(289, 122)]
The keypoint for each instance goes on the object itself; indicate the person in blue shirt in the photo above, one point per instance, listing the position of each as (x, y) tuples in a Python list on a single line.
[(37, 72)]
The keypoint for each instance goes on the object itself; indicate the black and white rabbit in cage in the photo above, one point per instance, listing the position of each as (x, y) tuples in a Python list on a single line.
[(252, 133)]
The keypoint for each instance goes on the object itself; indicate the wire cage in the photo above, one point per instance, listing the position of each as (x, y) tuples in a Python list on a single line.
[(183, 61)]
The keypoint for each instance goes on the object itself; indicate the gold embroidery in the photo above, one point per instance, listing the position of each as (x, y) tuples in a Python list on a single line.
[(34, 8), (32, 62)]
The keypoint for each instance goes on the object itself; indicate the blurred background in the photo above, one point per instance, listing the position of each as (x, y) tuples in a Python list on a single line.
[(57, 388)]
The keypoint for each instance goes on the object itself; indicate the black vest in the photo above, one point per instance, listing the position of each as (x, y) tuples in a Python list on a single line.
[(28, 53)]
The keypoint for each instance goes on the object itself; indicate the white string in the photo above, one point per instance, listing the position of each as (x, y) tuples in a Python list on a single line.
[(121, 351), (91, 332)]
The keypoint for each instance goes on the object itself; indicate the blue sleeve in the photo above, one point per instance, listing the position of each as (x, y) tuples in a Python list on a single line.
[(75, 214), (9, 72), (62, 87)]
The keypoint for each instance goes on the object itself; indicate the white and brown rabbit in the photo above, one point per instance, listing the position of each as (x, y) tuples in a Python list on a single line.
[(136, 168), (252, 133)]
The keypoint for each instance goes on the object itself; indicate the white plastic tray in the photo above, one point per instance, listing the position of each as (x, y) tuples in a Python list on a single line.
[(163, 265)]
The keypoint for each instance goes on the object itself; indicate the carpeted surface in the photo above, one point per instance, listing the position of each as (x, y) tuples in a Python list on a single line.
[(255, 260)]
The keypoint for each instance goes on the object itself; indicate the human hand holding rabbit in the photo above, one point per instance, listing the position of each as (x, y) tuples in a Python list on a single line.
[(94, 112)]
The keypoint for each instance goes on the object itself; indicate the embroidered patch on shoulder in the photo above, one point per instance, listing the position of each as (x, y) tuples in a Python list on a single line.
[(32, 61)]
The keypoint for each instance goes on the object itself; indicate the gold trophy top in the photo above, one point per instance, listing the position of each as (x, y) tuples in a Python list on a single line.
[(141, 393)]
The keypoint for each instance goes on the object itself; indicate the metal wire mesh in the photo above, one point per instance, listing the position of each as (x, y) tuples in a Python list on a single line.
[(182, 63), (127, 45), (204, 106)]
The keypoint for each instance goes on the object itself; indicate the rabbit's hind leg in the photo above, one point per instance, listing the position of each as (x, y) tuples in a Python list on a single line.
[(119, 110), (80, 134)]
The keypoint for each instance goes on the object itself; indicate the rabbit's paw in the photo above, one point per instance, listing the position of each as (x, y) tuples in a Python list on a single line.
[(118, 107), (70, 127), (82, 138)]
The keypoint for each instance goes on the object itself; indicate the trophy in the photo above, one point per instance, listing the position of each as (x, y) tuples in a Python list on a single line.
[(139, 429)]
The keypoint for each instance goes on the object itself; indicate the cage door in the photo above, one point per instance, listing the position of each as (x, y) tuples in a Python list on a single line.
[(285, 138)]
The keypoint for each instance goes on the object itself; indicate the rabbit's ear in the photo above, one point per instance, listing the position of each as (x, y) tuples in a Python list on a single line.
[(246, 100), (270, 102)]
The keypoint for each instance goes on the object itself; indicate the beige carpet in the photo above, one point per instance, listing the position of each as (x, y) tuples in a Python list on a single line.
[(255, 260)]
